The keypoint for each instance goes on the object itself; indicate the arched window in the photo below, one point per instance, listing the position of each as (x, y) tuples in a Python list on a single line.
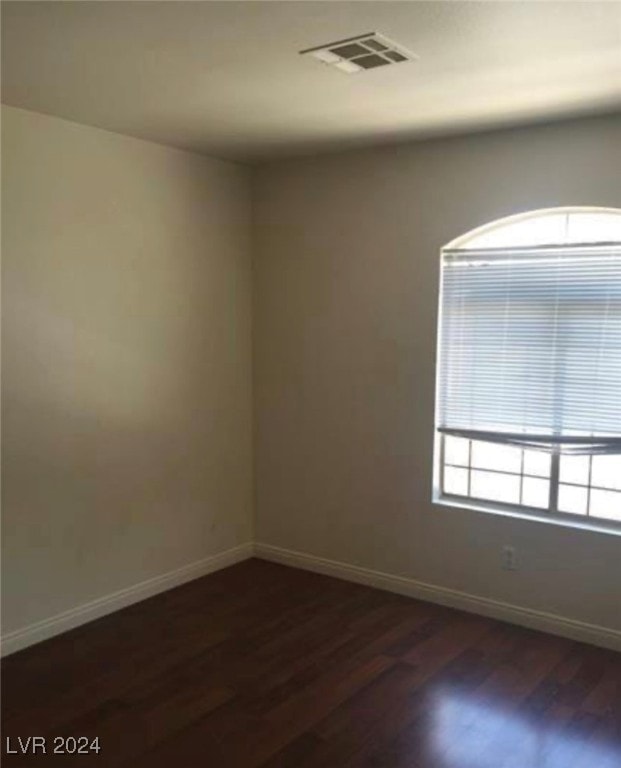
[(528, 409)]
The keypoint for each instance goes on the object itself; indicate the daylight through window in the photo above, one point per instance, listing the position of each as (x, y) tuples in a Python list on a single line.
[(528, 411)]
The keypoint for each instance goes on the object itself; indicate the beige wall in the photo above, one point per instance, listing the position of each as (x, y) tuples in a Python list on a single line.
[(345, 293), (127, 351), (126, 345)]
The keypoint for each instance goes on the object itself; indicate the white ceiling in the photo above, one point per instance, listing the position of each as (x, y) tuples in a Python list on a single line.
[(225, 78)]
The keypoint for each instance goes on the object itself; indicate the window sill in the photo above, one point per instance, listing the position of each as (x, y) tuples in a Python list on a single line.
[(505, 510)]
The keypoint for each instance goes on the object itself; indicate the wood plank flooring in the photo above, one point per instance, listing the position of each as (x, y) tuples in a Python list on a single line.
[(260, 665)]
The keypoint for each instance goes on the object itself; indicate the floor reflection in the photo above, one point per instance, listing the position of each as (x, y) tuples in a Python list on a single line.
[(469, 733)]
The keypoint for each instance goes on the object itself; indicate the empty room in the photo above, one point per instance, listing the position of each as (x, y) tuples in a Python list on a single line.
[(311, 384)]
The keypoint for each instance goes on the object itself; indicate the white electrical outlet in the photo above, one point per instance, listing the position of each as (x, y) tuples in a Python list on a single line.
[(509, 559)]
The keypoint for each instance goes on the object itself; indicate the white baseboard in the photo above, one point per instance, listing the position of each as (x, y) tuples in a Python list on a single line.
[(42, 630), (514, 614)]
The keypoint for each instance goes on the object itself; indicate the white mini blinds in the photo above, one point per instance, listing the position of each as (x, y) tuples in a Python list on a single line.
[(530, 346)]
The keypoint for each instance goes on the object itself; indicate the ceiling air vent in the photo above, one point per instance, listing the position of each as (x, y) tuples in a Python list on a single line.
[(356, 54)]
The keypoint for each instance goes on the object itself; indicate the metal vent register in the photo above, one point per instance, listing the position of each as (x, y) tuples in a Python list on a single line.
[(355, 54)]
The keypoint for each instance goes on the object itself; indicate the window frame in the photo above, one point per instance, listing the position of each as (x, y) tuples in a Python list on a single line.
[(551, 514), (585, 520)]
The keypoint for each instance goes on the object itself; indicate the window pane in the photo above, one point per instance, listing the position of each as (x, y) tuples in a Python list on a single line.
[(456, 481), (504, 458), (548, 228), (575, 469), (594, 227), (606, 472), (572, 499), (456, 450), (606, 504), (537, 463), (495, 486), (535, 493)]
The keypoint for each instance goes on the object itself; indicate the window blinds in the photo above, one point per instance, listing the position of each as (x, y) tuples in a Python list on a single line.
[(530, 346)]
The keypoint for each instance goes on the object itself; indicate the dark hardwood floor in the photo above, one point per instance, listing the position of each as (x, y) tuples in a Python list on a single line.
[(262, 665)]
